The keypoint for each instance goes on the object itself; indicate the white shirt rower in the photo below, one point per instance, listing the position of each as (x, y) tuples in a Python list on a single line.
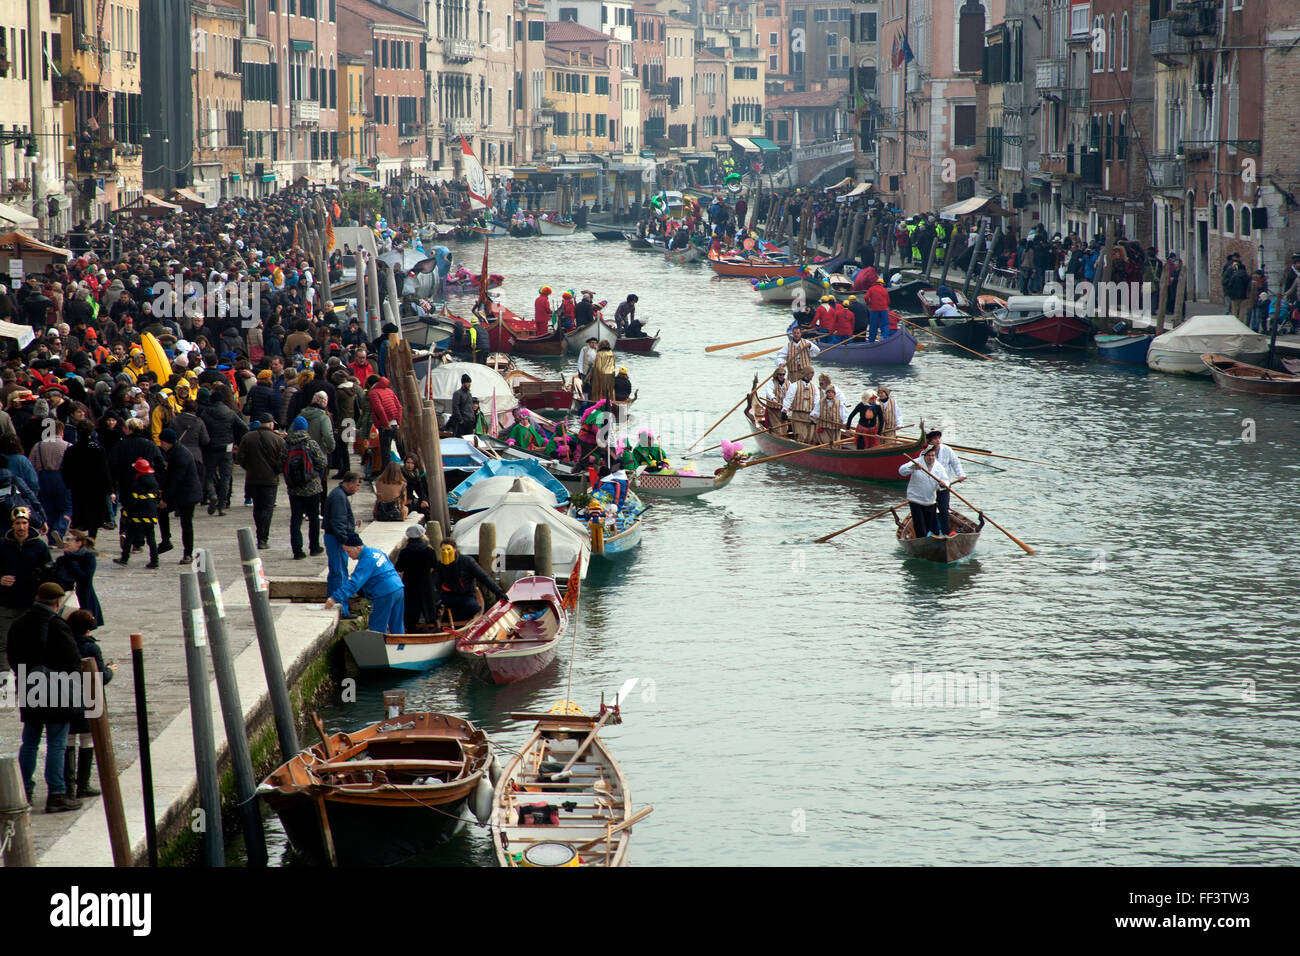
[(844, 408), (947, 309), (585, 358), (921, 488), (784, 352), (769, 390), (950, 462), (792, 391)]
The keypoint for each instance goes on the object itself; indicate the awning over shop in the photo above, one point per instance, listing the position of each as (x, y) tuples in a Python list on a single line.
[(20, 244), (11, 216), (358, 178), (268, 177), (858, 190), (149, 206), (765, 145), (746, 144), (976, 205), (186, 199), (300, 46)]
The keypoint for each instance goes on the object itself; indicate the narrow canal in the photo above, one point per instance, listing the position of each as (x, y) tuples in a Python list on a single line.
[(1141, 672)]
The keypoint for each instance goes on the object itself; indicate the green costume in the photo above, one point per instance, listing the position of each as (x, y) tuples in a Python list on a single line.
[(525, 436), (652, 456)]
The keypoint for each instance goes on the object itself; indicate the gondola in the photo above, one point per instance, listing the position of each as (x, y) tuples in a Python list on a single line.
[(563, 800), (941, 550), (1241, 377), (380, 794)]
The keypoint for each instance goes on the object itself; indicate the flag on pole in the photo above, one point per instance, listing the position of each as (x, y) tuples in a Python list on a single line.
[(896, 54), (908, 55), (329, 235), (474, 177), (483, 276)]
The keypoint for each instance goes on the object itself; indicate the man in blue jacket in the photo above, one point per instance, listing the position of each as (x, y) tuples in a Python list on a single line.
[(378, 579), (340, 525)]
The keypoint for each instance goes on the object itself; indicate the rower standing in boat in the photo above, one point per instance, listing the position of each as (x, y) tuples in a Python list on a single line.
[(798, 406), (774, 392), (922, 493), (602, 373), (823, 322), (829, 412), (797, 354), (878, 311), (952, 465), (587, 356), (625, 314), (867, 412), (888, 412), (542, 311)]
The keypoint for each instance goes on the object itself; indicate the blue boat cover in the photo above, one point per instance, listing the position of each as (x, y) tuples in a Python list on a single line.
[(515, 468)]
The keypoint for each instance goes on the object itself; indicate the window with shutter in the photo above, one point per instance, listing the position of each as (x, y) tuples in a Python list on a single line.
[(963, 125)]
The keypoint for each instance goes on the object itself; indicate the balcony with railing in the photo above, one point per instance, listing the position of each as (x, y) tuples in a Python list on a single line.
[(1166, 45), (1013, 97), (727, 21), (1198, 19), (458, 50), (1168, 171), (1050, 75), (460, 126), (306, 113), (410, 130)]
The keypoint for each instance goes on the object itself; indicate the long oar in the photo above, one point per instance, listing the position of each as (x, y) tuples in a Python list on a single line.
[(985, 451), (751, 355), (824, 538), (838, 441), (753, 391), (1027, 548), (818, 355), (764, 431), (922, 328), (732, 345)]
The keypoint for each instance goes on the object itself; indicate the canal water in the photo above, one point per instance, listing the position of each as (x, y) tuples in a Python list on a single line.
[(1128, 695)]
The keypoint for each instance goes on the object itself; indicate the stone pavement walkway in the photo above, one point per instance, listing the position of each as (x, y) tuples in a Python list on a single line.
[(136, 600)]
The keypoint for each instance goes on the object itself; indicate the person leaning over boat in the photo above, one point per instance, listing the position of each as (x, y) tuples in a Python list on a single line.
[(797, 354), (922, 493), (378, 579), (952, 465), (625, 314), (454, 579)]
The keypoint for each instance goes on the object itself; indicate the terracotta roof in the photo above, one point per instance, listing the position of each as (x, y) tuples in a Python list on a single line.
[(377, 13), (566, 31), (788, 101)]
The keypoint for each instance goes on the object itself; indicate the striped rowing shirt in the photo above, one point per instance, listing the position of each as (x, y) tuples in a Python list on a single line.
[(797, 358)]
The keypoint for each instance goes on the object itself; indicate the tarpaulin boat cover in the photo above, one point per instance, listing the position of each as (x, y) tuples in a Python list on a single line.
[(514, 468), (1224, 334)]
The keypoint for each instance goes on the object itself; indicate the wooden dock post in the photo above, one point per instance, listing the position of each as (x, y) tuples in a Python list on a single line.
[(259, 601), (146, 752), (15, 815), (205, 751)]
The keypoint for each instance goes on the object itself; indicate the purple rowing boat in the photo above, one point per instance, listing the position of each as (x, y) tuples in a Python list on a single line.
[(897, 349)]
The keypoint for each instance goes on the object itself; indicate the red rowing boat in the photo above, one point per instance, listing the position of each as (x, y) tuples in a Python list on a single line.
[(518, 638), (876, 464)]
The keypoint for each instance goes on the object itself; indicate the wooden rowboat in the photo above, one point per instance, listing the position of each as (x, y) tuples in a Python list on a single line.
[(563, 801), (556, 227), (518, 638), (673, 484), (421, 651), (1241, 377), (755, 268), (689, 254), (381, 794), (641, 344), (879, 463), (943, 550), (609, 235), (598, 327), (537, 394)]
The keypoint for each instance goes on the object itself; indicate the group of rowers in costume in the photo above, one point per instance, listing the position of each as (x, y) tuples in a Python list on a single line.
[(818, 414)]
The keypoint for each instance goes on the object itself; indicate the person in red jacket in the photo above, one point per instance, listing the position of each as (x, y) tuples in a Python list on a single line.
[(843, 321), (864, 279), (878, 306), (542, 311), (824, 318), (386, 412)]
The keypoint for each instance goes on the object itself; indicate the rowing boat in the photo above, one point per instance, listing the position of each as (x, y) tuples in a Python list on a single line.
[(611, 537), (967, 330), (689, 254), (518, 638), (609, 235), (381, 794), (556, 227), (896, 349), (879, 463), (539, 394), (678, 483), (941, 550), (563, 800), (777, 290), (598, 327), (421, 651), (756, 268), (1241, 377)]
